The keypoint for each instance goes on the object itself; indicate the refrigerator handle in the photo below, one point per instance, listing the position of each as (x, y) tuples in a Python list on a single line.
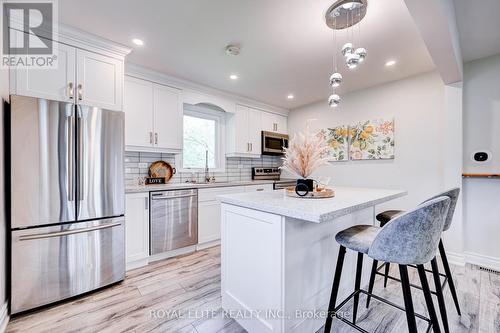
[(71, 158), (80, 181)]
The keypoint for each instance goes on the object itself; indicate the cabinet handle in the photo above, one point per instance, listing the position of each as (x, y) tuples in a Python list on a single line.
[(80, 92), (275, 127), (156, 138), (248, 146), (146, 203), (151, 137), (70, 90), (251, 146), (260, 189)]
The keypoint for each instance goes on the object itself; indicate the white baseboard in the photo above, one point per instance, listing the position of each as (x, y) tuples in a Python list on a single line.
[(482, 260), (456, 258), (207, 245), (4, 317)]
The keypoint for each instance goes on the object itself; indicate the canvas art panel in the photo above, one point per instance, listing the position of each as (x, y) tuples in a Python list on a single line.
[(337, 142), (372, 140)]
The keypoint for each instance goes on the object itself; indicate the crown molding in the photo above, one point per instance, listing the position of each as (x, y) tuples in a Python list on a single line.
[(174, 82)]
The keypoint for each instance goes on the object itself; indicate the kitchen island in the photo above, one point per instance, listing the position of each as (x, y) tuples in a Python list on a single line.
[(279, 255)]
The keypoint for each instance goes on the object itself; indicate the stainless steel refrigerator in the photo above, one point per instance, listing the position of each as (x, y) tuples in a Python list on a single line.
[(67, 200)]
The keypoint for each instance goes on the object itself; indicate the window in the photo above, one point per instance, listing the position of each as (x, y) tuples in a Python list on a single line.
[(203, 137)]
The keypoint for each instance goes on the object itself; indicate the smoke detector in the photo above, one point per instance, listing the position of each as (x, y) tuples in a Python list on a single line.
[(232, 50)]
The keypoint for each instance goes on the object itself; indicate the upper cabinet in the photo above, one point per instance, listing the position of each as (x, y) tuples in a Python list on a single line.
[(153, 116), (272, 122), (244, 129), (81, 76), (99, 80)]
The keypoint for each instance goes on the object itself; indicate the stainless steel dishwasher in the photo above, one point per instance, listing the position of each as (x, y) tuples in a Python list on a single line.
[(174, 220)]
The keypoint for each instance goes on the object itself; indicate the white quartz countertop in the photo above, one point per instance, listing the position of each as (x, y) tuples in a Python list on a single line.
[(346, 201), (180, 186)]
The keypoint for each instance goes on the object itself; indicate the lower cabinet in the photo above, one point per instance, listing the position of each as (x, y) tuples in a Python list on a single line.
[(137, 229), (209, 213)]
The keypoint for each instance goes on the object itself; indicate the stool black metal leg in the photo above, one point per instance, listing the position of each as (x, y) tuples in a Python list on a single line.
[(447, 271), (428, 299), (372, 282), (357, 285), (387, 267), (439, 293), (335, 290), (410, 312)]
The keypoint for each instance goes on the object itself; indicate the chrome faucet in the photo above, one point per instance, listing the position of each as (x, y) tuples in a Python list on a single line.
[(208, 179)]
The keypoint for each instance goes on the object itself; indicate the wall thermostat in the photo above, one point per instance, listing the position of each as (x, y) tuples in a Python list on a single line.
[(481, 156)]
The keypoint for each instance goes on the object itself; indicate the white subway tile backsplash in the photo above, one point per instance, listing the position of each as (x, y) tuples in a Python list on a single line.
[(237, 168)]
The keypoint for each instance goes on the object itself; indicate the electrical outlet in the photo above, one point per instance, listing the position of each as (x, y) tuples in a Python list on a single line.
[(143, 165)]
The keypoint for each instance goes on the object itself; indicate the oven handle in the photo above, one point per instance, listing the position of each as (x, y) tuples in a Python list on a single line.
[(68, 232)]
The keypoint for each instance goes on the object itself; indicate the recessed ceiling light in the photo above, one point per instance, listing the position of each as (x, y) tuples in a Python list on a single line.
[(290, 96), (390, 63), (138, 42), (233, 77)]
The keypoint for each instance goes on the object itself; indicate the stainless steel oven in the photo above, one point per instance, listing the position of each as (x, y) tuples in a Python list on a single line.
[(174, 220), (273, 143)]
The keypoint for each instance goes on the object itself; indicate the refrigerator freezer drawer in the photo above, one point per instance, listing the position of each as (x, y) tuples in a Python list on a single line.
[(53, 263)]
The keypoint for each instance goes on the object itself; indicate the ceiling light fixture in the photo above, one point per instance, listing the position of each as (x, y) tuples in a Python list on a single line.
[(290, 96), (344, 14), (233, 77), (390, 63), (138, 42)]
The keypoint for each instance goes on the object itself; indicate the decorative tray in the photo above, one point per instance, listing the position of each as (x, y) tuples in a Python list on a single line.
[(324, 194)]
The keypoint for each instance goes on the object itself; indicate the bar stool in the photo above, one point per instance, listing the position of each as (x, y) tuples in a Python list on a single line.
[(409, 239), (387, 216)]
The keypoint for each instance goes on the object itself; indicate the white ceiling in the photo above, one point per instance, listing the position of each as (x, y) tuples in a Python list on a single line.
[(479, 27), (286, 46)]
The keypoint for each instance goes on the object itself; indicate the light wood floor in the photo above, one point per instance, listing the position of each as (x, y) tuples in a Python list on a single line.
[(192, 282)]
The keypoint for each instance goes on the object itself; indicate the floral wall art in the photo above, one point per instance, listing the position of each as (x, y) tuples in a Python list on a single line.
[(372, 140), (337, 142), (367, 140)]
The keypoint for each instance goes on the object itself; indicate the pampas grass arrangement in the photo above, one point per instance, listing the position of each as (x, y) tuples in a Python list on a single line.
[(306, 153)]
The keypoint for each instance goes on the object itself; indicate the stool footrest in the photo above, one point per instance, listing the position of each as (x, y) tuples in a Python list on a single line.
[(443, 285), (378, 298)]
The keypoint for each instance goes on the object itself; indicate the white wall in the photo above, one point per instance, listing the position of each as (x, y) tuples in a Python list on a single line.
[(482, 132), (4, 93), (425, 130)]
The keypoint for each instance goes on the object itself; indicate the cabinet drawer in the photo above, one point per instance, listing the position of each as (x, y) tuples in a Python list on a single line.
[(210, 194), (259, 188)]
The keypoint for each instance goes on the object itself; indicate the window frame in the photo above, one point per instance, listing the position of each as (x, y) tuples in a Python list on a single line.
[(219, 116)]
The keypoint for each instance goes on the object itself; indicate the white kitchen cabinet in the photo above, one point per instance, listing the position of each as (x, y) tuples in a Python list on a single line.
[(168, 114), (100, 80), (209, 212), (85, 77), (259, 188), (138, 108), (272, 122), (136, 229), (55, 84), (244, 129), (153, 116)]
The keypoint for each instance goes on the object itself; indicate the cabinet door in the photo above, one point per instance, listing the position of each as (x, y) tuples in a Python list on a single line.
[(259, 188), (167, 117), (255, 131), (269, 122), (240, 123), (100, 80), (137, 226), (54, 84), (208, 221), (282, 122), (138, 107)]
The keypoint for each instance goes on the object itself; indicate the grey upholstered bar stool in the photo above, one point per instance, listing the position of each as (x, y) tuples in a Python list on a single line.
[(387, 216), (409, 239)]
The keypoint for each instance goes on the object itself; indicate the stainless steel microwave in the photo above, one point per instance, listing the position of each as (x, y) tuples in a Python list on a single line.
[(274, 143)]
